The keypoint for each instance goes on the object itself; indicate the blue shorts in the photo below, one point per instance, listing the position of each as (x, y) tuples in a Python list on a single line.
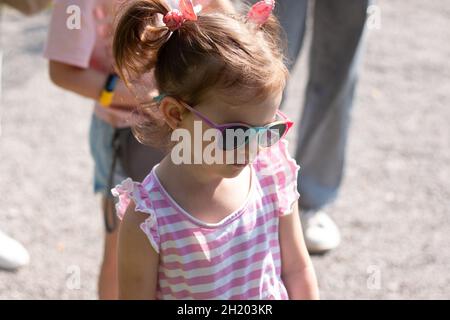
[(100, 141)]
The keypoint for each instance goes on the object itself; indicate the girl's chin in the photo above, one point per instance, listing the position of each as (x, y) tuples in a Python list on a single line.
[(239, 166), (232, 170)]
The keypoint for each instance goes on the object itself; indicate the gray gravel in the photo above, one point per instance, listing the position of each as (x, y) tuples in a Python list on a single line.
[(393, 210)]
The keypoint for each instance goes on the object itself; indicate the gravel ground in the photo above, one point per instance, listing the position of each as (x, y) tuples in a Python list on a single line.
[(393, 210)]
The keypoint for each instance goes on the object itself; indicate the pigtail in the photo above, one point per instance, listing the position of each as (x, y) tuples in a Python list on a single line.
[(276, 38), (261, 19), (139, 35)]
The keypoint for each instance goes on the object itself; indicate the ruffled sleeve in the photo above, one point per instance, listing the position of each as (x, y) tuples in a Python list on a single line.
[(130, 190), (279, 172)]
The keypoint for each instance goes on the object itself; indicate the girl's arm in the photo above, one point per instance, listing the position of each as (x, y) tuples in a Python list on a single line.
[(138, 261), (88, 83), (297, 270)]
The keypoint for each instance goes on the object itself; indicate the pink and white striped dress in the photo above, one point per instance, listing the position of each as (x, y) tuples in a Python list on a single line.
[(238, 258)]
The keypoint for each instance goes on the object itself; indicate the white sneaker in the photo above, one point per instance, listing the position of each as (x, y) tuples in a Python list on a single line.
[(320, 232), (12, 254)]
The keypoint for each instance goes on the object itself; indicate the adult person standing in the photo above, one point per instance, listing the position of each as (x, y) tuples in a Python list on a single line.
[(337, 30), (12, 254)]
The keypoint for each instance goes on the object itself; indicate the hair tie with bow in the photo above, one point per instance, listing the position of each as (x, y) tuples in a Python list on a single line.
[(174, 19), (260, 12)]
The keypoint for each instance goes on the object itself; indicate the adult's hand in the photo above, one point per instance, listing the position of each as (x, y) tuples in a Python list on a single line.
[(27, 7)]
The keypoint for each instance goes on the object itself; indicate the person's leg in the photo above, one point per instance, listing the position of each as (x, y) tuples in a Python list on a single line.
[(338, 29), (108, 282), (322, 135), (101, 134), (292, 17)]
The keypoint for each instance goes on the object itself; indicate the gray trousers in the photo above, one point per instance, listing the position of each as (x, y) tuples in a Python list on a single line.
[(322, 130)]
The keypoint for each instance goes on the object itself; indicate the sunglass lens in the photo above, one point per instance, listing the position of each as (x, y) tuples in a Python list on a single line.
[(272, 135), (234, 137)]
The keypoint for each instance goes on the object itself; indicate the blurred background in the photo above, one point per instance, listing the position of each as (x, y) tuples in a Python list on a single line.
[(393, 209)]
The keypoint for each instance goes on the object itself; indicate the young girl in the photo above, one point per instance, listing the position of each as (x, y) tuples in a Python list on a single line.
[(211, 231), (79, 48)]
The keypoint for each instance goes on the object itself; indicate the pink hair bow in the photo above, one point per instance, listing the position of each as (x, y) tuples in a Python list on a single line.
[(261, 11), (175, 18)]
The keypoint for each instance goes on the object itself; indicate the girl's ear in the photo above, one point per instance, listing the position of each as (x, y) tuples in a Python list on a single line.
[(172, 111)]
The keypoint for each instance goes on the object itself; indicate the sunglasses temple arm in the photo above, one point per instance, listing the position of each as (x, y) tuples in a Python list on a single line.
[(282, 114), (198, 114)]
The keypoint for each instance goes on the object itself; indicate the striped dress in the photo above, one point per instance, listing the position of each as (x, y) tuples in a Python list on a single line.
[(238, 258)]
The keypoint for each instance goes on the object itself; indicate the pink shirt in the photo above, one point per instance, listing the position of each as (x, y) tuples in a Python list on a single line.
[(238, 258)]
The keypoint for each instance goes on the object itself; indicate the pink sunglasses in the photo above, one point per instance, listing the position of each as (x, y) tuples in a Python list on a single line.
[(235, 135)]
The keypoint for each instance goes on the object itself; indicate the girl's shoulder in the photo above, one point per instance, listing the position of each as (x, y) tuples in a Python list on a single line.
[(277, 173), (141, 193)]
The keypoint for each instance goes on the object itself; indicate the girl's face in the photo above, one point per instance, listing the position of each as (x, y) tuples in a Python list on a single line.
[(206, 150)]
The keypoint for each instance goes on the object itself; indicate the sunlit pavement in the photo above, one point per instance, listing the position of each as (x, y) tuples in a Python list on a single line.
[(393, 210)]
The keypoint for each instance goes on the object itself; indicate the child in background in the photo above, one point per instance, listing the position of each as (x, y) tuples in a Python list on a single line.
[(81, 62), (211, 231)]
